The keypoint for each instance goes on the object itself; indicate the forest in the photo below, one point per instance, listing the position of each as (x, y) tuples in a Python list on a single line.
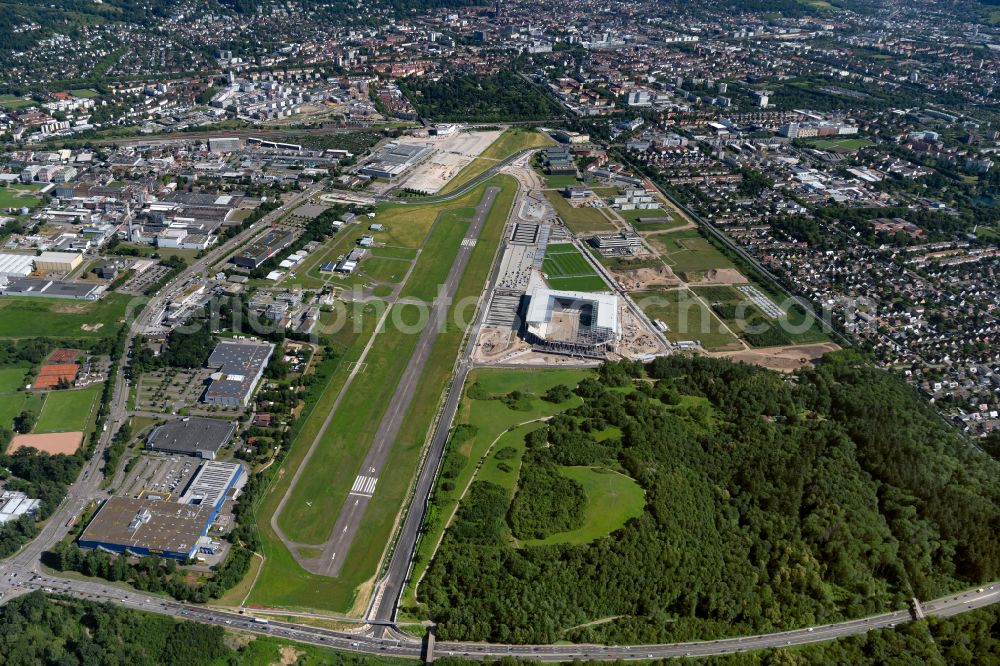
[(42, 629), (772, 502), (36, 629), (479, 98)]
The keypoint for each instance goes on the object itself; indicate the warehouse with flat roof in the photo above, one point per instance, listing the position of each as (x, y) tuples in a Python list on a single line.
[(394, 159), (239, 366), (46, 288), (148, 527), (178, 530), (15, 265), (57, 262), (193, 436), (255, 254)]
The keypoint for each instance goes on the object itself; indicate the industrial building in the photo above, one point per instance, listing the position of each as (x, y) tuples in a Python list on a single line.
[(393, 160), (559, 161), (211, 483), (15, 266), (618, 243), (148, 527), (178, 530), (239, 366), (255, 254), (224, 144), (57, 262), (14, 504), (44, 287), (572, 322), (192, 437)]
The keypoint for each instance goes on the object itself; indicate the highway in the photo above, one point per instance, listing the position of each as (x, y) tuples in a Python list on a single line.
[(388, 640)]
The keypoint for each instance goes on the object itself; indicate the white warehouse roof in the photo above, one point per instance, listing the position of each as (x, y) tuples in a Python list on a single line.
[(15, 265)]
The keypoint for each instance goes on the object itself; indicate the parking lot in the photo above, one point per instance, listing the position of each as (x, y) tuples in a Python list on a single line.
[(158, 475), (169, 390)]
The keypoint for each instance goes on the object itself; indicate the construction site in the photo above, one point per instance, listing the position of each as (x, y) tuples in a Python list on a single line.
[(534, 317), (451, 152)]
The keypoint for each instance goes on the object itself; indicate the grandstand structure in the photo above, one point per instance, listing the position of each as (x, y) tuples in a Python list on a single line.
[(572, 322)]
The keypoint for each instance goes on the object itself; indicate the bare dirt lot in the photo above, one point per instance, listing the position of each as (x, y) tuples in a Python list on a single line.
[(641, 278), (783, 359), (451, 155), (720, 276)]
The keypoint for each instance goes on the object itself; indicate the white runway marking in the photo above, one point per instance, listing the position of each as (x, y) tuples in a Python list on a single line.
[(364, 485), (468, 242)]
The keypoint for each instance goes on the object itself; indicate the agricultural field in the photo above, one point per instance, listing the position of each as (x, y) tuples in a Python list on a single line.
[(68, 410), (687, 318), (581, 219), (24, 317), (689, 254), (566, 268)]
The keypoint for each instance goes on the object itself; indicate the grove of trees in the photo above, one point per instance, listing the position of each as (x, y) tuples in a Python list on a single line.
[(772, 502)]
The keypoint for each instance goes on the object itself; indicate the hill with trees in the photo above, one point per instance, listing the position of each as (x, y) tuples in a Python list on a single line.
[(772, 501), (479, 98)]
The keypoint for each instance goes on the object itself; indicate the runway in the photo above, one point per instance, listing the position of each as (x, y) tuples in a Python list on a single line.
[(337, 548)]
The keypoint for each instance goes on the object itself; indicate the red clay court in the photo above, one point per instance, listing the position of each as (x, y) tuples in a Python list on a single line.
[(49, 375), (52, 443), (63, 355)]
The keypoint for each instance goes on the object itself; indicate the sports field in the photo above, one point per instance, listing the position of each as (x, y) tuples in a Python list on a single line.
[(566, 268), (839, 145), (68, 410), (14, 196), (612, 500), (24, 317), (13, 102), (12, 399)]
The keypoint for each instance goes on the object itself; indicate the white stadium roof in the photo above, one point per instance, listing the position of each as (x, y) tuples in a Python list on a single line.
[(543, 301)]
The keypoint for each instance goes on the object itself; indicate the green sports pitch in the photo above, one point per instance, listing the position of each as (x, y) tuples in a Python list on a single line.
[(566, 268)]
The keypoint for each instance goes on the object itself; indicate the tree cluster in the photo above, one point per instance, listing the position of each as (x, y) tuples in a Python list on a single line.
[(772, 502)]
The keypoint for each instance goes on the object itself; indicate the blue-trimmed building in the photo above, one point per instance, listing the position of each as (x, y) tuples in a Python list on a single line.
[(178, 530)]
